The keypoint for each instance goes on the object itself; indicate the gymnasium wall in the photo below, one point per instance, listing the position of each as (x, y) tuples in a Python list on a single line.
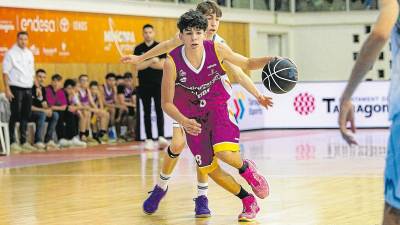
[(323, 45)]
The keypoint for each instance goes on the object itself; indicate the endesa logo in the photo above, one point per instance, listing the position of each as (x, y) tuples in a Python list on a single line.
[(304, 103), (38, 24)]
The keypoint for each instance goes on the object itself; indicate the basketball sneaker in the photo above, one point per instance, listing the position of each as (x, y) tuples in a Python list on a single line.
[(250, 209), (40, 145), (75, 142), (64, 143), (28, 148), (162, 142), (51, 145), (201, 207), (258, 183), (150, 205), (149, 144), (15, 148)]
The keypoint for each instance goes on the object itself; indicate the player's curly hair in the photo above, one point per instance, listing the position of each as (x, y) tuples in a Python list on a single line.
[(192, 19)]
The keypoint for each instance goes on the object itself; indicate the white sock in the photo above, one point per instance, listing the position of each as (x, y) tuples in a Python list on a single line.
[(202, 189), (163, 181)]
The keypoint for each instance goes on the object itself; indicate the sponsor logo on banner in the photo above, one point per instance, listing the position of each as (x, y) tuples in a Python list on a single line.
[(245, 106), (35, 50), (6, 25), (3, 50), (49, 51), (80, 25), (63, 50), (64, 24), (239, 106), (37, 24), (118, 36), (316, 105), (304, 103), (367, 106)]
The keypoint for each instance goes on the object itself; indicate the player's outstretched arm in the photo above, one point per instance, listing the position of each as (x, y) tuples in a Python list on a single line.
[(167, 100), (239, 60), (248, 84), (370, 50), (159, 49)]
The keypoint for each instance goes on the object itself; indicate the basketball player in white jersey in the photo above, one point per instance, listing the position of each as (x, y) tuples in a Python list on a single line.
[(384, 27), (213, 14)]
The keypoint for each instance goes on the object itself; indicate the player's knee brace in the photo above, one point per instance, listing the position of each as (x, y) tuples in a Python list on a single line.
[(171, 154)]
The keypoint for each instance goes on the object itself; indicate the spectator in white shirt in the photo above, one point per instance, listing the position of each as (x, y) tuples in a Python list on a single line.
[(18, 76)]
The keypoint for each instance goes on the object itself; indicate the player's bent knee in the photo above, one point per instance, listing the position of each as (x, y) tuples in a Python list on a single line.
[(177, 147), (172, 155), (215, 173)]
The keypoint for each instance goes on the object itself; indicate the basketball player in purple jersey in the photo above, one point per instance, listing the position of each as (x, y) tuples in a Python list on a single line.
[(99, 121), (86, 100), (195, 94), (213, 13), (109, 93)]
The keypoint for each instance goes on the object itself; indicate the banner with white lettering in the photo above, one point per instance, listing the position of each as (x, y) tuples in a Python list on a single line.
[(316, 105), (308, 105)]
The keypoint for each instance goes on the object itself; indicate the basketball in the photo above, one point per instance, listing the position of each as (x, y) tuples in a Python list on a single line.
[(280, 75)]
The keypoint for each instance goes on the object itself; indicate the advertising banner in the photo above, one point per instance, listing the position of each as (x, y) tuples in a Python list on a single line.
[(71, 37), (308, 105)]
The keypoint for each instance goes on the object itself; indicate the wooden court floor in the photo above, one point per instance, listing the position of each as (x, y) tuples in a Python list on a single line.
[(315, 180)]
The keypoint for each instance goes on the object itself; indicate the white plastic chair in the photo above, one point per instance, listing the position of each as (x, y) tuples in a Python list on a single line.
[(5, 138), (4, 134)]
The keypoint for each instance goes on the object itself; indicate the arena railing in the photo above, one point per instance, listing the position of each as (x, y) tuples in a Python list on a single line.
[(290, 5)]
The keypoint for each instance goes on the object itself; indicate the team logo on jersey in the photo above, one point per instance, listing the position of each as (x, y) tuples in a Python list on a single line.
[(182, 76), (211, 66), (213, 72), (203, 103)]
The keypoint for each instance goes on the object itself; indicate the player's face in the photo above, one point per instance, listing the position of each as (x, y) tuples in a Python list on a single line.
[(56, 84), (41, 77), (148, 34), (213, 24), (128, 82), (111, 82), (192, 38), (70, 90), (94, 89), (22, 41), (84, 82)]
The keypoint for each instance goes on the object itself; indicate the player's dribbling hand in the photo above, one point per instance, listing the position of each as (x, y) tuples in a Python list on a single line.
[(132, 59), (347, 115), (265, 101), (192, 127)]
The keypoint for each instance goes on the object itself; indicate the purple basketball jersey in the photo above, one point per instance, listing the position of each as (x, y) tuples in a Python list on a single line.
[(84, 97), (199, 90), (202, 94), (109, 94)]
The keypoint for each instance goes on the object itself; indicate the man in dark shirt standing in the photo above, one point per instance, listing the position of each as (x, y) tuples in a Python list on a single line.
[(150, 77), (42, 112)]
